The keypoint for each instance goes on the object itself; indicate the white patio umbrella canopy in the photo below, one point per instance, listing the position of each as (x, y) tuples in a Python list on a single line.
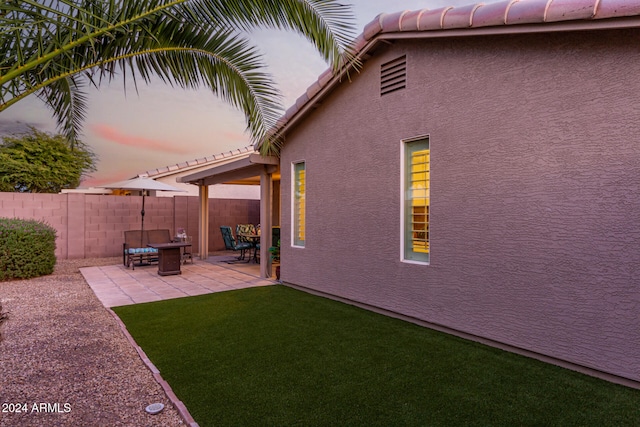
[(143, 184)]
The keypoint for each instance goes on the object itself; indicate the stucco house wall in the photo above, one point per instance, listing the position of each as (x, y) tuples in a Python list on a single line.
[(535, 192)]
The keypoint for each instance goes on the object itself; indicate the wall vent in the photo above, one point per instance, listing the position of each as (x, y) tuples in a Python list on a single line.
[(393, 75)]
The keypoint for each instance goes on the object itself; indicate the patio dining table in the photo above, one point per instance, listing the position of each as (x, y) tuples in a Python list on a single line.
[(254, 240)]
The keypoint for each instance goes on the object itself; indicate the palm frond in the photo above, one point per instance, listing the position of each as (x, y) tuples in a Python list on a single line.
[(56, 47), (328, 25), (222, 61), (68, 103)]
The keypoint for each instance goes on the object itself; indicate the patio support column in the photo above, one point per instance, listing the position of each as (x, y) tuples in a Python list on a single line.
[(203, 221), (266, 201)]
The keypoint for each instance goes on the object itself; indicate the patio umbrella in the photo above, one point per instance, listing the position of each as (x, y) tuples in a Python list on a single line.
[(144, 184)]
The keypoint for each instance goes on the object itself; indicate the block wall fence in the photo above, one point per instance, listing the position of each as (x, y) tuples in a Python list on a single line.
[(92, 226)]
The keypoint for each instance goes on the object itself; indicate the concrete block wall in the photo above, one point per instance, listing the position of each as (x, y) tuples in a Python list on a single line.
[(230, 212), (92, 226), (44, 207)]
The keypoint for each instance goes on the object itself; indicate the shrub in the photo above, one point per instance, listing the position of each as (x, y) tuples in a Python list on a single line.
[(27, 248), (275, 252)]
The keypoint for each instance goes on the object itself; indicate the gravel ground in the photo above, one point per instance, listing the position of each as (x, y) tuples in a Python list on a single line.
[(64, 361)]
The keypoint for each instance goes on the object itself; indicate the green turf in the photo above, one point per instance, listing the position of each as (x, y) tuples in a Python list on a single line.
[(280, 357)]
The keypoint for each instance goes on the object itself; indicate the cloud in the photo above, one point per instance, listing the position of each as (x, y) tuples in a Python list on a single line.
[(114, 135), (236, 136), (106, 178), (17, 127)]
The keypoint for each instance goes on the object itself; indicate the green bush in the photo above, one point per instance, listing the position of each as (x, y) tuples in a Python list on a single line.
[(27, 248)]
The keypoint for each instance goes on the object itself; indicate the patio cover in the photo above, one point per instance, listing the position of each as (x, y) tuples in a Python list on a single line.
[(253, 169)]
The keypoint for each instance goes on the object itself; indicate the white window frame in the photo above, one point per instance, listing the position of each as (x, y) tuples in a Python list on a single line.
[(294, 240), (403, 202)]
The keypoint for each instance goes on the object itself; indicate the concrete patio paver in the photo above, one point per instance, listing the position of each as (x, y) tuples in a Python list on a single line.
[(117, 285)]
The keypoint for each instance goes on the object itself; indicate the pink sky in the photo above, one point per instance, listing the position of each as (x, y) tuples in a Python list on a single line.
[(116, 136)]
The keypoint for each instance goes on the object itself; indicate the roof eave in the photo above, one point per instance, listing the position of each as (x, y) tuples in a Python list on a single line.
[(545, 27), (240, 168), (187, 166)]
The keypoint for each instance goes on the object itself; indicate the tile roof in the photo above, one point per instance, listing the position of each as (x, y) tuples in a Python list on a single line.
[(204, 161), (509, 16)]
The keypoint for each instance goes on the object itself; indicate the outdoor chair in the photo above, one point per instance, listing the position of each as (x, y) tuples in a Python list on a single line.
[(245, 229), (187, 250), (230, 243)]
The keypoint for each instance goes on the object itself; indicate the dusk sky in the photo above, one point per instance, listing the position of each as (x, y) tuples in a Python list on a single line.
[(160, 125)]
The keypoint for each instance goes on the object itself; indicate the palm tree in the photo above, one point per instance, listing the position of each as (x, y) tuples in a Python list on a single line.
[(56, 48)]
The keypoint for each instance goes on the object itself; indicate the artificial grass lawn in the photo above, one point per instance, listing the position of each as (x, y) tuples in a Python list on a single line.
[(277, 356)]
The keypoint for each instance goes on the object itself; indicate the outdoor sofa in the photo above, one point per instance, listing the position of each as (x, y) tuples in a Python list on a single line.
[(135, 249)]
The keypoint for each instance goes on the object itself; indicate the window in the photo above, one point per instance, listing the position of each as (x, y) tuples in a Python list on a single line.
[(299, 192), (416, 200)]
